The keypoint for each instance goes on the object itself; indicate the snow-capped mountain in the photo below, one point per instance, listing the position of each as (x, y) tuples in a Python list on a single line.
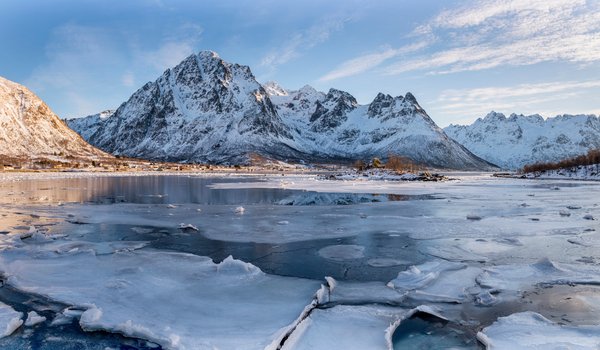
[(87, 126), (514, 141), (29, 129), (208, 110)]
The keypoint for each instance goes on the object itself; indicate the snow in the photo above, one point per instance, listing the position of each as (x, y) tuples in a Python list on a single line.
[(178, 300), (530, 330), (10, 320), (514, 141)]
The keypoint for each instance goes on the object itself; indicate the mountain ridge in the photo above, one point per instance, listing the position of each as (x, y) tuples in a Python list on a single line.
[(30, 130), (514, 141), (208, 110)]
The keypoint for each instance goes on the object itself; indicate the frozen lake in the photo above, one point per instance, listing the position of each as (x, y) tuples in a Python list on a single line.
[(141, 262)]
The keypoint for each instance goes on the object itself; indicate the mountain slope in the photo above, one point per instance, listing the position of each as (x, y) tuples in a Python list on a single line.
[(334, 125), (208, 110), (204, 109), (514, 141), (29, 129)]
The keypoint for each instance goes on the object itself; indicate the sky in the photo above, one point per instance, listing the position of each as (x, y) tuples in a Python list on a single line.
[(461, 59)]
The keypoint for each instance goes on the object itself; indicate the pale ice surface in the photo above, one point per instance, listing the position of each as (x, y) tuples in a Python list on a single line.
[(530, 330), (346, 327), (33, 318), (10, 320), (178, 300)]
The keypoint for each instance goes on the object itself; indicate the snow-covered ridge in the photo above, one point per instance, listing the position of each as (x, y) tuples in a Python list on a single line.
[(208, 110), (87, 126), (29, 129), (514, 141)]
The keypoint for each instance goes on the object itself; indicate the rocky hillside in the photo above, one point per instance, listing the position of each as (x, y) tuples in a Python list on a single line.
[(30, 130), (514, 141)]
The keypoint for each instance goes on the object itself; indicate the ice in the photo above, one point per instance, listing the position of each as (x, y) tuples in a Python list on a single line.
[(10, 320), (517, 277), (386, 262), (530, 330), (342, 252), (239, 210), (178, 300), (437, 281), (33, 318), (356, 293), (188, 227), (350, 327)]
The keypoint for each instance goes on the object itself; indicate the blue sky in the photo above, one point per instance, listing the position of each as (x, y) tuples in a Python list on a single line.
[(461, 59)]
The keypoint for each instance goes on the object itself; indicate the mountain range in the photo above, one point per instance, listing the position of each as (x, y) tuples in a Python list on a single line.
[(211, 111), (29, 130), (514, 141)]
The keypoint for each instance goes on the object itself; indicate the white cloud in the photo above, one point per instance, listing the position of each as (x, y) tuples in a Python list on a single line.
[(369, 61), (302, 41), (490, 33)]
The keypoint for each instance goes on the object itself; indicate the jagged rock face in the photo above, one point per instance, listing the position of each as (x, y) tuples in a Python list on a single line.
[(514, 141), (29, 129), (334, 126), (208, 110), (202, 110)]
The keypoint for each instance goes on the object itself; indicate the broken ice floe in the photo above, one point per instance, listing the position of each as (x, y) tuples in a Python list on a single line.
[(178, 300), (188, 228), (239, 210), (10, 320), (437, 281), (33, 318), (351, 327), (530, 330)]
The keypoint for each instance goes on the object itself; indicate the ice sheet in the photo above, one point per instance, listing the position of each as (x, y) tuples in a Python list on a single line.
[(350, 327), (180, 301), (530, 330), (517, 277), (437, 281)]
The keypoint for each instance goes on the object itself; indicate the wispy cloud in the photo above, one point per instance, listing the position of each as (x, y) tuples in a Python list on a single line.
[(524, 98), (299, 42), (485, 34), (369, 61)]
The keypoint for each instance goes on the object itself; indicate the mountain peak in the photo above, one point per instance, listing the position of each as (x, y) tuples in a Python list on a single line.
[(274, 89), (411, 98), (208, 54)]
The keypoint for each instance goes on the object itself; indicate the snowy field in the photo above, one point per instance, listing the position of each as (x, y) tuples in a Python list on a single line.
[(295, 262)]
